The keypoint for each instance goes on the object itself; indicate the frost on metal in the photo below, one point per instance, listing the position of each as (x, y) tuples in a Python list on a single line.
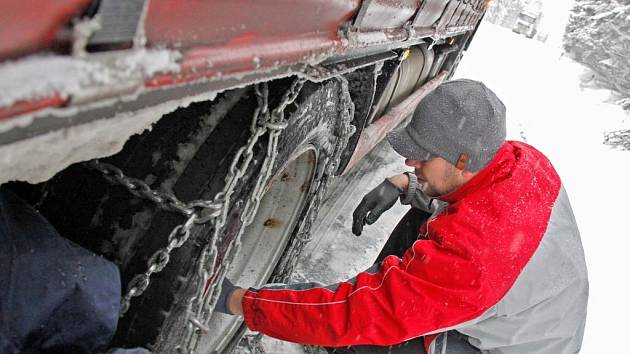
[(37, 159), (41, 76)]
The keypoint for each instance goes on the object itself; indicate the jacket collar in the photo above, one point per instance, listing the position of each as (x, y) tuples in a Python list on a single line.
[(498, 169)]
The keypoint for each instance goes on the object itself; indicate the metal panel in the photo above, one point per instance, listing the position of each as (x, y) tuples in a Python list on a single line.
[(380, 14), (28, 26), (375, 132), (456, 14), (465, 17), (221, 39), (429, 57), (461, 19), (119, 21), (447, 15), (410, 70), (430, 11), (191, 23), (227, 37)]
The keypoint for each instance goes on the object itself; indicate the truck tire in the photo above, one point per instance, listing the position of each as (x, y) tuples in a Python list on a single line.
[(189, 153)]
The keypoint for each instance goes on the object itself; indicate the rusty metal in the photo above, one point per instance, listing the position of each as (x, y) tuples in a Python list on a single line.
[(375, 132), (326, 71), (273, 223)]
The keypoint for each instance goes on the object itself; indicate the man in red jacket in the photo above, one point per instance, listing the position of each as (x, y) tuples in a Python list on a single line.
[(489, 259)]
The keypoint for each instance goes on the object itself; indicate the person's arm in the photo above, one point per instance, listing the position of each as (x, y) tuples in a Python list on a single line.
[(388, 304), (376, 202), (401, 181), (413, 193), (235, 302), (403, 186)]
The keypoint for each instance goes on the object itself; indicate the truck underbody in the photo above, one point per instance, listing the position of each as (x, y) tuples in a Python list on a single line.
[(216, 127)]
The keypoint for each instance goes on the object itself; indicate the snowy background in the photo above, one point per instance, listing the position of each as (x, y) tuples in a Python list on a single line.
[(548, 107)]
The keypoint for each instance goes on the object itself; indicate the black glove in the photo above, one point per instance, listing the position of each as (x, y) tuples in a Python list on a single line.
[(227, 288), (375, 202)]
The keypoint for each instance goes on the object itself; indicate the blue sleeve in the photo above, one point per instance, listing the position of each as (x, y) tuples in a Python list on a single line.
[(54, 295)]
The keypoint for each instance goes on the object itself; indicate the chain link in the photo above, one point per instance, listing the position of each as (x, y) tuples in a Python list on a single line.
[(163, 200), (156, 263), (265, 121), (343, 131), (272, 122), (253, 343)]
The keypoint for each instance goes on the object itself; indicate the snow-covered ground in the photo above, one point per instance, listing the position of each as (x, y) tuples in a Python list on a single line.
[(547, 108)]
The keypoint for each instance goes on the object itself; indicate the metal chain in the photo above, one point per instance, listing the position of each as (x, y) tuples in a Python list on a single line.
[(197, 211), (177, 237), (201, 305), (204, 211), (253, 343), (343, 131), (157, 262), (163, 200), (215, 211)]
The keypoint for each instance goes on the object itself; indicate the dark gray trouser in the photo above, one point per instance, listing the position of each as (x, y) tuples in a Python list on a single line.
[(451, 342)]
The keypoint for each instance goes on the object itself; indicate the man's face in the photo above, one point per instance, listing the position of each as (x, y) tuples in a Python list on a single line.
[(439, 176)]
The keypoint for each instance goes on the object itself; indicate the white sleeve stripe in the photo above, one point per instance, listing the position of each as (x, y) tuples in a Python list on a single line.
[(340, 301)]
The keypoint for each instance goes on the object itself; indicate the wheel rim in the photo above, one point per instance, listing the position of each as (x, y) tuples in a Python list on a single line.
[(265, 239)]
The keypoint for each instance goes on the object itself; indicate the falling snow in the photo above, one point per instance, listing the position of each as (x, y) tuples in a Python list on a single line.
[(546, 104)]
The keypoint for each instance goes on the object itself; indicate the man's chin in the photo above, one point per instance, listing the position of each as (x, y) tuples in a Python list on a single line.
[(427, 190)]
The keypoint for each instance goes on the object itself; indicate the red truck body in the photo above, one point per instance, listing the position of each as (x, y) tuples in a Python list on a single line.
[(80, 79)]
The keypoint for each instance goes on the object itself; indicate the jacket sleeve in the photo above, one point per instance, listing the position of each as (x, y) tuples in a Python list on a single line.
[(434, 286), (466, 261), (415, 196), (48, 280)]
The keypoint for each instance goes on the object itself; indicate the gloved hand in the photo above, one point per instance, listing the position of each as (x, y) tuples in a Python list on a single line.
[(227, 288), (375, 202)]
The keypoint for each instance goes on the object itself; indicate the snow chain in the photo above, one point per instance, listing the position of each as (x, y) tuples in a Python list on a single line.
[(215, 211), (285, 269)]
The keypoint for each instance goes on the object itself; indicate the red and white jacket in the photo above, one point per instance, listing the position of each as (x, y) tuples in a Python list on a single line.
[(503, 264)]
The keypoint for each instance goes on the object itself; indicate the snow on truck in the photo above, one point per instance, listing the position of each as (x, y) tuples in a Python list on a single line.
[(187, 140)]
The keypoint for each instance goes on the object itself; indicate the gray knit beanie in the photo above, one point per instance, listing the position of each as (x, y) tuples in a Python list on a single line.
[(461, 121)]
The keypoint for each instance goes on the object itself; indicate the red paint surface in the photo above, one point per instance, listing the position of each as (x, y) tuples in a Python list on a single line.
[(29, 26), (30, 106), (223, 38), (214, 62), (192, 23), (218, 38)]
